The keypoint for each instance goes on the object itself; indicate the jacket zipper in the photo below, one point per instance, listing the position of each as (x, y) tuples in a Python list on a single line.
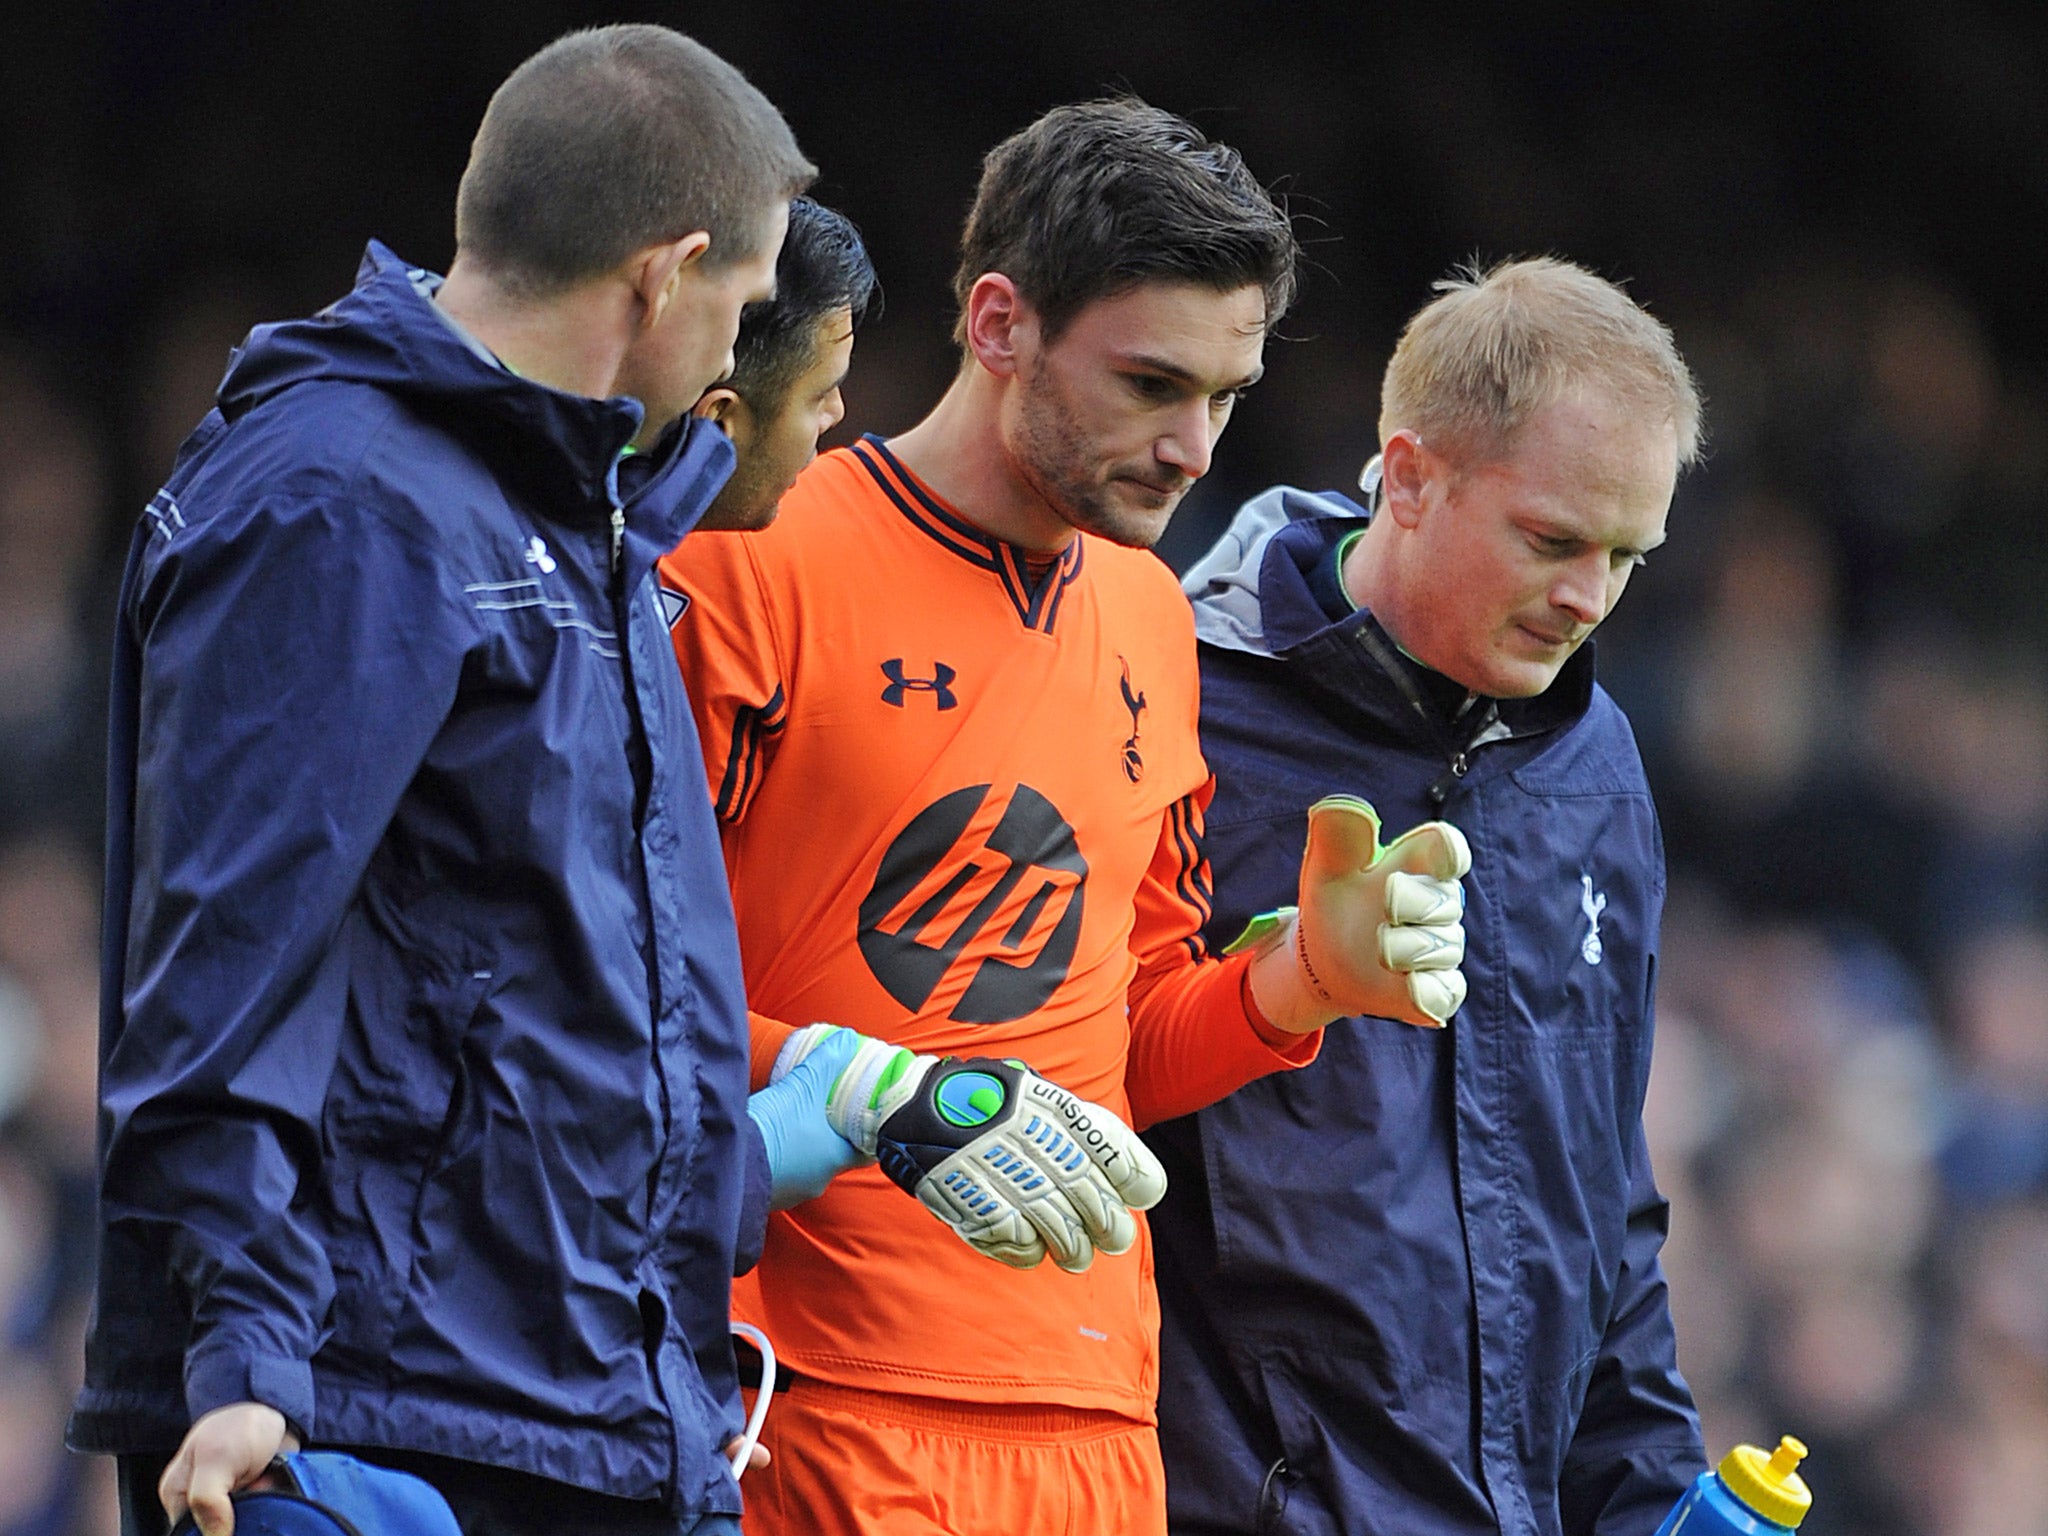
[(1440, 789), (1457, 758)]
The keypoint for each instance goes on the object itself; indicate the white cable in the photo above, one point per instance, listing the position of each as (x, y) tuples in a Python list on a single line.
[(744, 1447)]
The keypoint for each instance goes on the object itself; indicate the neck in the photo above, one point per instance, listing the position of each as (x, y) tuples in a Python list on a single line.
[(958, 451), (1368, 575), (574, 341)]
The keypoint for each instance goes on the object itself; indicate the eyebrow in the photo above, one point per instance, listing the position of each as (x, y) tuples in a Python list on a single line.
[(1175, 371), (1545, 528)]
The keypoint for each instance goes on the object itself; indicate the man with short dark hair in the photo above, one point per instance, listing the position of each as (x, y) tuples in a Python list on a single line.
[(1413, 1289), (947, 702), (425, 1120), (791, 357)]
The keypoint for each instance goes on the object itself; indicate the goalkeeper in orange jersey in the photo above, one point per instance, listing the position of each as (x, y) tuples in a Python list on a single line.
[(948, 704)]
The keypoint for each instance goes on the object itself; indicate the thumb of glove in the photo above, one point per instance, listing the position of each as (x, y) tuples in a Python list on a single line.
[(1343, 836)]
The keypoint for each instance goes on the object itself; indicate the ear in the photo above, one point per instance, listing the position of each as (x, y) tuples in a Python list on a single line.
[(655, 271), (1406, 468), (1002, 329), (729, 413)]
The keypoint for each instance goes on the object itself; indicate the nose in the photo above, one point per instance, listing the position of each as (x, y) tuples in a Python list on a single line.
[(1581, 590), (833, 413), (1188, 441)]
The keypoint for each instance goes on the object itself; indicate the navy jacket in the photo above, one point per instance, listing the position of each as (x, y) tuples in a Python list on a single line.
[(423, 1054), (1413, 1288)]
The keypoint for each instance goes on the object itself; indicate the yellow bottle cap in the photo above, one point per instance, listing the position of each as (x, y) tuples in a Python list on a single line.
[(1768, 1481)]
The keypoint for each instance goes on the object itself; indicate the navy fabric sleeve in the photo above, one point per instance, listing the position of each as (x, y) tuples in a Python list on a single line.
[(1637, 1445), (756, 1192), (293, 660)]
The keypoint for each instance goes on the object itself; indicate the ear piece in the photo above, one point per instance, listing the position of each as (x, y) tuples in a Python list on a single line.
[(1371, 481)]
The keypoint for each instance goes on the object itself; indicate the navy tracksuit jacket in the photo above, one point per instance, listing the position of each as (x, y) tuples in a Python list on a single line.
[(1413, 1289), (424, 1044)]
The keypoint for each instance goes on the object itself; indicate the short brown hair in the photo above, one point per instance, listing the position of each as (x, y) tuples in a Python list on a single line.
[(1495, 347), (1099, 196), (613, 139)]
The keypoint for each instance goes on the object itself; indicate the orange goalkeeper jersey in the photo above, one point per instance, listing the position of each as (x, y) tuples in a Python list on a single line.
[(961, 812)]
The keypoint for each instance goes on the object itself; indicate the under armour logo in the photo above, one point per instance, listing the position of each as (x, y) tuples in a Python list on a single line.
[(537, 554), (1134, 765), (1592, 903), (939, 684)]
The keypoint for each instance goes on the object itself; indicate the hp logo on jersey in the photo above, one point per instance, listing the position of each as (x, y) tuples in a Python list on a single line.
[(977, 906)]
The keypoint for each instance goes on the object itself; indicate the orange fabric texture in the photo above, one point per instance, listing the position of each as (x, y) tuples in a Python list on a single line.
[(961, 812), (765, 1037), (850, 1463)]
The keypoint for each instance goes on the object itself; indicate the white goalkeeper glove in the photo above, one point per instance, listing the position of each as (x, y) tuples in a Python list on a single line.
[(1378, 930), (1016, 1165)]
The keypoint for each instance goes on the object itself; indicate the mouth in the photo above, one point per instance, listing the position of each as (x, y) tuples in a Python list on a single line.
[(1154, 492), (1547, 639)]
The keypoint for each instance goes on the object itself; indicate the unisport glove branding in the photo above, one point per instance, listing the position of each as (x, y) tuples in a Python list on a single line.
[(1082, 1126)]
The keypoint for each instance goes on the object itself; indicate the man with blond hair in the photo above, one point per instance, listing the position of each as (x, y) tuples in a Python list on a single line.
[(1414, 1287)]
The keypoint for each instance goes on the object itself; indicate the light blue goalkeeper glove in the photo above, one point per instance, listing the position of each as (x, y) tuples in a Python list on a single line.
[(1014, 1164), (804, 1152)]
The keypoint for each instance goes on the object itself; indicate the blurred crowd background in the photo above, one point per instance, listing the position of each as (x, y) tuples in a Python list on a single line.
[(1835, 667)]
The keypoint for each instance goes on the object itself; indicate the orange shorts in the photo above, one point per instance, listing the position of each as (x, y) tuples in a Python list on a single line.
[(850, 1462)]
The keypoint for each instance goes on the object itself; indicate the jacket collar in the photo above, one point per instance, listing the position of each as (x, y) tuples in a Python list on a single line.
[(1254, 593), (558, 450)]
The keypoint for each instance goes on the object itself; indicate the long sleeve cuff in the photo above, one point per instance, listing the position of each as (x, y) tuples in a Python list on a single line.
[(218, 1374), (765, 1037)]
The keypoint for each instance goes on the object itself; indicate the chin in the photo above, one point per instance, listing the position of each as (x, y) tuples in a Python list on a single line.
[(1518, 678), (741, 518), (1121, 523)]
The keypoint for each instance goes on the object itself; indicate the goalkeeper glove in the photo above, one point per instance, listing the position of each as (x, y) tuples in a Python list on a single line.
[(1377, 931), (1016, 1165)]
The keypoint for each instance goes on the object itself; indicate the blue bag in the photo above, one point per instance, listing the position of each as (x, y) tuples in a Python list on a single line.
[(335, 1495)]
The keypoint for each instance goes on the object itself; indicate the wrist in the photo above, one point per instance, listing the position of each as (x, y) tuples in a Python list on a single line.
[(1269, 1034), (879, 1080), (1281, 987)]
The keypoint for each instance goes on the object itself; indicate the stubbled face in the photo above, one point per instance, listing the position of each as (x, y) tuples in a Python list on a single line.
[(689, 348), (1515, 563), (774, 448), (1113, 421)]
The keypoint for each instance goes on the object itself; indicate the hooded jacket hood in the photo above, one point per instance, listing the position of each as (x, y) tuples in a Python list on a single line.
[(1253, 594), (1224, 585)]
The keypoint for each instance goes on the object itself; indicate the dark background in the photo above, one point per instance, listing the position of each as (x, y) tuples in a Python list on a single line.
[(1835, 666)]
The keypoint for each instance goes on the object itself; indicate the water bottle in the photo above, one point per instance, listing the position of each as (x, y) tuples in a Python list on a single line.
[(1753, 1493)]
